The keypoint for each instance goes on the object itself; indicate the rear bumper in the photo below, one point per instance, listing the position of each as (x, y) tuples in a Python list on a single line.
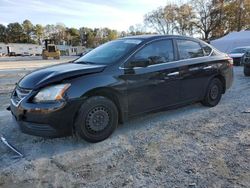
[(45, 120)]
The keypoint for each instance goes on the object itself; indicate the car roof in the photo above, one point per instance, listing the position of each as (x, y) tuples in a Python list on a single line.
[(146, 38)]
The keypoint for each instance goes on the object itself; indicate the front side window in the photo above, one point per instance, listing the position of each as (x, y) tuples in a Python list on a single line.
[(157, 52), (189, 49)]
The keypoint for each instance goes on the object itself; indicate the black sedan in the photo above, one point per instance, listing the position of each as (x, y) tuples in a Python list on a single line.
[(118, 80), (246, 62)]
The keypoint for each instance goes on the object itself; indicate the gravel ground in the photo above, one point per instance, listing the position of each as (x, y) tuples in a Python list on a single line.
[(193, 146)]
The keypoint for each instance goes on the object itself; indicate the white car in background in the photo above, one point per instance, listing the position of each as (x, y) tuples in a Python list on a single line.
[(237, 54)]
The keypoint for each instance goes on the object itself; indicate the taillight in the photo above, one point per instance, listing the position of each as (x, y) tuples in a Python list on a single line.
[(230, 61)]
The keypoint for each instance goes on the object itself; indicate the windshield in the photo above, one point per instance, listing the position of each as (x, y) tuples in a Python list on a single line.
[(109, 52), (238, 50)]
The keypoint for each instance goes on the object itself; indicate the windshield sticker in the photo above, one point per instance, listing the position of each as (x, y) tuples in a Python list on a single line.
[(132, 41)]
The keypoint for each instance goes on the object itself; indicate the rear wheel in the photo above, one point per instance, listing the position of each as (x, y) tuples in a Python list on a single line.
[(96, 119), (213, 93), (246, 70)]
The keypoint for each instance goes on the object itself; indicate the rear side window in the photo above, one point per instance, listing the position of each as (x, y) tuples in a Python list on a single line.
[(189, 49), (158, 52), (207, 50)]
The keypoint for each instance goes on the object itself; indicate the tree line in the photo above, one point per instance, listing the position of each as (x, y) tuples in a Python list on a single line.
[(26, 32), (209, 19)]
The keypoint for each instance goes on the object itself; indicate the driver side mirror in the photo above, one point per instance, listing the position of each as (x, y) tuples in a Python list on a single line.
[(138, 63)]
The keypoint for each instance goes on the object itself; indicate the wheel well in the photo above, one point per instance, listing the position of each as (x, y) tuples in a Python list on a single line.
[(111, 95), (222, 79)]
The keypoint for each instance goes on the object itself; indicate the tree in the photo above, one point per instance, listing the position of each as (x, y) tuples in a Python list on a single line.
[(3, 35), (90, 42), (185, 19), (237, 14), (28, 29), (39, 33), (137, 29), (15, 33), (131, 30), (171, 19), (171, 15), (74, 36), (49, 30), (157, 20), (112, 34), (59, 33), (208, 17), (87, 37)]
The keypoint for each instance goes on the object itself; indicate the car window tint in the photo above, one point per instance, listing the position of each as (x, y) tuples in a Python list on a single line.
[(109, 52), (158, 52), (189, 49), (207, 50)]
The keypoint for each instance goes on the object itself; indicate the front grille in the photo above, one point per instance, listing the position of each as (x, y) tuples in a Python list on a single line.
[(19, 94), (237, 60)]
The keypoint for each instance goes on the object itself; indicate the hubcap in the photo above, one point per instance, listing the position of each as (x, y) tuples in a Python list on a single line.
[(214, 92), (97, 119)]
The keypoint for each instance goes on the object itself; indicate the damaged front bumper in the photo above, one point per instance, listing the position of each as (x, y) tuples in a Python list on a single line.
[(45, 119)]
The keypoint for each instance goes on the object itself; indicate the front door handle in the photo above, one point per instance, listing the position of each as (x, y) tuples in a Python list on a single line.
[(208, 67), (173, 74)]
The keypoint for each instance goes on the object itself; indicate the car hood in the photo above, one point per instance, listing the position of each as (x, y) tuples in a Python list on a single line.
[(57, 73), (236, 55)]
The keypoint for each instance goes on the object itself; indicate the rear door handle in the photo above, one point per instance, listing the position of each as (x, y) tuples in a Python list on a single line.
[(173, 74), (208, 67)]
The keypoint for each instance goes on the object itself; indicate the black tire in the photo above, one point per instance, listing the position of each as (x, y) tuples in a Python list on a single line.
[(246, 70), (213, 93), (97, 119)]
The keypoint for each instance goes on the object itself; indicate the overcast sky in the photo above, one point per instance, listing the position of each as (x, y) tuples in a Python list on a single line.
[(115, 14)]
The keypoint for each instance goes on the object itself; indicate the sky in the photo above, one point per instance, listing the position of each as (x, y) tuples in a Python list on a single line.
[(114, 14)]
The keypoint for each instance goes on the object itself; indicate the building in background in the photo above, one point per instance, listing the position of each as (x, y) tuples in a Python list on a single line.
[(20, 49), (71, 50), (24, 49)]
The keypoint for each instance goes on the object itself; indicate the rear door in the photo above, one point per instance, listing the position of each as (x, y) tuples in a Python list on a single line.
[(156, 85), (195, 70)]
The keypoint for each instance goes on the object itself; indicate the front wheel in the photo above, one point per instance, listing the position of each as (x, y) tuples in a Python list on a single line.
[(213, 93), (96, 119), (246, 70)]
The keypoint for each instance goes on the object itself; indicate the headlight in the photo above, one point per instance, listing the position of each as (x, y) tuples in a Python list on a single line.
[(51, 93)]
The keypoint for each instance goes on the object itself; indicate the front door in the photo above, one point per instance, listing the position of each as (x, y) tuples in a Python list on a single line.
[(156, 85)]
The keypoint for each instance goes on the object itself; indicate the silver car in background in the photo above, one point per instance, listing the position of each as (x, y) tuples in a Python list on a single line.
[(237, 53), (245, 61)]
